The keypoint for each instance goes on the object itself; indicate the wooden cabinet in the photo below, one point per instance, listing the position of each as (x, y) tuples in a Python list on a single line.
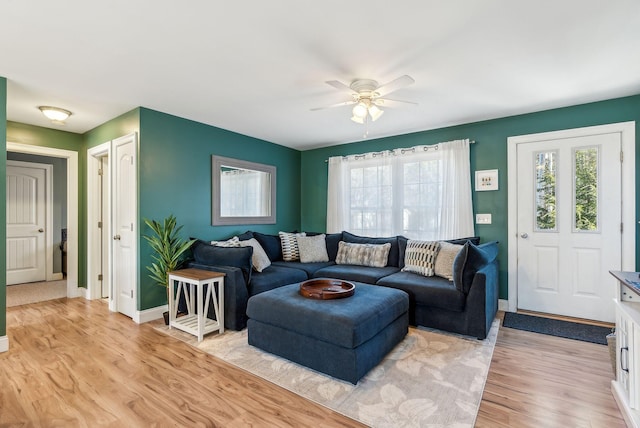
[(626, 386)]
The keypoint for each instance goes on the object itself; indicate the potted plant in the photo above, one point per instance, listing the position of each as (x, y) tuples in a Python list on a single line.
[(168, 250)]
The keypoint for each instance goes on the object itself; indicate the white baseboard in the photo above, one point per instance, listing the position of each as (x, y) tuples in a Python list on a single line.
[(150, 314), (503, 305), (4, 343)]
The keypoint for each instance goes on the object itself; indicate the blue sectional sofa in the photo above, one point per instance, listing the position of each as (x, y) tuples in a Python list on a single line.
[(466, 305)]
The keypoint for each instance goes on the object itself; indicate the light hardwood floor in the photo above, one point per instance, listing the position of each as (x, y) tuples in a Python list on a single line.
[(72, 363)]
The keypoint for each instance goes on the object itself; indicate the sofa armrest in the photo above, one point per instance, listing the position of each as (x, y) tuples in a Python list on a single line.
[(235, 295), (482, 300)]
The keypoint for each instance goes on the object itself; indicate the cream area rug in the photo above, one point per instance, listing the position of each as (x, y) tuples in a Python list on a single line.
[(431, 378)]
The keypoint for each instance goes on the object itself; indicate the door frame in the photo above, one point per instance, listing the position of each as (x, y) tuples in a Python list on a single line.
[(627, 131), (48, 215), (94, 250), (73, 289)]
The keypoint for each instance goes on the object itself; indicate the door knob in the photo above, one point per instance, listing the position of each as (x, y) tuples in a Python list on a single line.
[(116, 238), (41, 230), (524, 236)]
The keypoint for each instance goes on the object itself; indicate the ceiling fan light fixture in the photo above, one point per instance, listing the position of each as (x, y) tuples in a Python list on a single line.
[(55, 114), (358, 119), (375, 113), (360, 110)]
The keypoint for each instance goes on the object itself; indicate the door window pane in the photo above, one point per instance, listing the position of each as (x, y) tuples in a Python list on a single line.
[(545, 190), (586, 189)]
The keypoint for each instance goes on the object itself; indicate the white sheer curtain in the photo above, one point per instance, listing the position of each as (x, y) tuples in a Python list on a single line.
[(244, 193), (422, 192)]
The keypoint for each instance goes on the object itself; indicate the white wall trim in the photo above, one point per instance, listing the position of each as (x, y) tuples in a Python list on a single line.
[(627, 132), (4, 343), (151, 314), (503, 305), (72, 206)]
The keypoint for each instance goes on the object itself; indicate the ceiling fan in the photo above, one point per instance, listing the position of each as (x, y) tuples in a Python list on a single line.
[(368, 97)]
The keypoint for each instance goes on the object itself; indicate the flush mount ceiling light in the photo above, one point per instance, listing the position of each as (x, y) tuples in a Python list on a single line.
[(55, 114), (368, 97)]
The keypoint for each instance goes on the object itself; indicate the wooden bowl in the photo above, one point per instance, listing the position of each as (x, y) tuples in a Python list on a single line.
[(326, 289)]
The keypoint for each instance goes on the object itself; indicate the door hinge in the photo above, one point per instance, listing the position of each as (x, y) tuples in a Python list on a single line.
[(100, 277), (99, 225), (621, 227), (621, 156), (100, 171), (132, 294), (132, 227)]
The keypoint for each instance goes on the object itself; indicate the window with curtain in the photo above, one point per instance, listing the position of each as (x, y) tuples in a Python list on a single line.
[(423, 192)]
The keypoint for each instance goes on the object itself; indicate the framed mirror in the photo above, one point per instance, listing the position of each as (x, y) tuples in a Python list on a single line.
[(242, 192)]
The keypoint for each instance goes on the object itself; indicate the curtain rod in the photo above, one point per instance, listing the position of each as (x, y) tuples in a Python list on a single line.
[(426, 147)]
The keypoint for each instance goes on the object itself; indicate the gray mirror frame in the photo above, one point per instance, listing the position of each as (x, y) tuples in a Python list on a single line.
[(216, 219)]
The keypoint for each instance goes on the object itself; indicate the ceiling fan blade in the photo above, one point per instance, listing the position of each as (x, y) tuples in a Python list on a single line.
[(340, 86), (394, 85), (388, 102), (345, 103)]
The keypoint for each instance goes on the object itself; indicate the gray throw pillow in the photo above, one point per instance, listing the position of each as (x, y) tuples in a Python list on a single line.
[(373, 255), (313, 248), (259, 259), (444, 260)]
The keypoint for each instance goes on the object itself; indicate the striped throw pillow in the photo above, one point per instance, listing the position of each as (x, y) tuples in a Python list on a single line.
[(289, 243), (233, 242), (420, 257)]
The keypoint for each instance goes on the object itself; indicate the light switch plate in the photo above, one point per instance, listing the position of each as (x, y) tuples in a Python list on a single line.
[(483, 218)]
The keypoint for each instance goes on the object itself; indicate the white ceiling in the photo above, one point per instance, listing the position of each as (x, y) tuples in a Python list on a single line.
[(258, 67)]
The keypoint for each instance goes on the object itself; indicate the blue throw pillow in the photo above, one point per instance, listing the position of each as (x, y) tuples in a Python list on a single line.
[(271, 245), (207, 254), (468, 261)]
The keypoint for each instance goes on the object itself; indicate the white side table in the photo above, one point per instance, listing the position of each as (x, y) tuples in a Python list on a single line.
[(191, 282)]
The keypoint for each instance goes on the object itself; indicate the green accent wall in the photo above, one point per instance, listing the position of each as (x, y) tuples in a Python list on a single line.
[(175, 178), (490, 152), (3, 207)]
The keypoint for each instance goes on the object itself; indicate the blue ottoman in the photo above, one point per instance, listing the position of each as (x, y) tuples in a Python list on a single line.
[(344, 338)]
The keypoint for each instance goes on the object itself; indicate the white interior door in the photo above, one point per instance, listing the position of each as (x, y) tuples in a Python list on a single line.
[(125, 214), (105, 221), (569, 225), (26, 222)]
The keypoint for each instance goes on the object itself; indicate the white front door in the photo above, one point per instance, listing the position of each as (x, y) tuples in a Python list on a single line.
[(125, 218), (26, 222), (569, 221)]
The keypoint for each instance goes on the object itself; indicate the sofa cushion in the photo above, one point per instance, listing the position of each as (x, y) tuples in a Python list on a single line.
[(271, 245), (273, 277), (312, 249), (491, 249), (309, 268), (393, 252), (332, 240), (475, 240), (207, 254), (259, 260), (363, 254), (444, 260), (420, 257), (466, 264), (289, 244), (366, 274), (427, 291)]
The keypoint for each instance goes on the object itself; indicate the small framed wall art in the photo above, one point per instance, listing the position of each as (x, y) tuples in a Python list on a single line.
[(486, 180)]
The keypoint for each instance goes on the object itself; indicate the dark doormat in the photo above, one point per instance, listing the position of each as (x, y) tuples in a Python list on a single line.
[(560, 328)]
